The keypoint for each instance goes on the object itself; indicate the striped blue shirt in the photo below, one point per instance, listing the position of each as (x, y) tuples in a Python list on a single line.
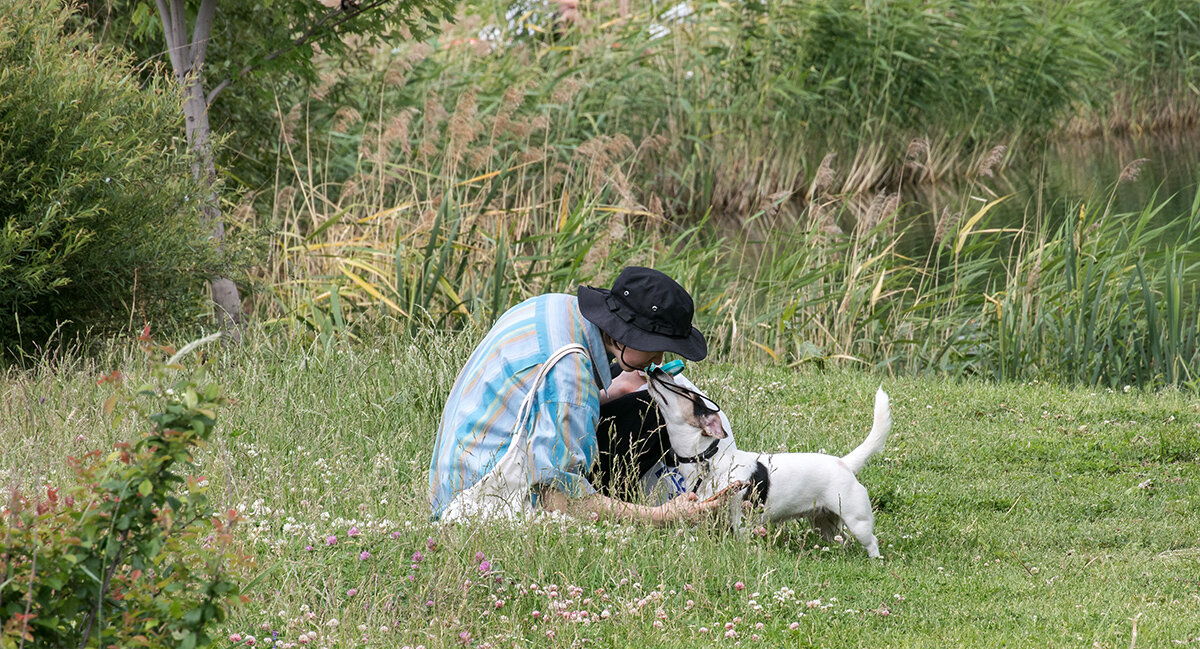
[(480, 416)]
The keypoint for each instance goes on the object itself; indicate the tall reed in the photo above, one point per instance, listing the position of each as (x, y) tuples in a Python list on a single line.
[(481, 170)]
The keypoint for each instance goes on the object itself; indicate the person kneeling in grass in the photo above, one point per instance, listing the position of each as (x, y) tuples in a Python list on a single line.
[(550, 354)]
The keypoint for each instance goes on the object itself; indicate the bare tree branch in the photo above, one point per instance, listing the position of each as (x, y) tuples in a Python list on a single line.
[(173, 44), (179, 25), (202, 31)]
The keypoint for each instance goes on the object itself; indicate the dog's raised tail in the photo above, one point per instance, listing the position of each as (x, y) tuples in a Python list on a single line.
[(857, 458)]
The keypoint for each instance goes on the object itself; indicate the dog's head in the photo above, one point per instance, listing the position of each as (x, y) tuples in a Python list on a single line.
[(689, 416)]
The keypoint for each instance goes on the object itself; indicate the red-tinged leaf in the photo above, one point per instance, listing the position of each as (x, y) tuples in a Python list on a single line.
[(109, 404)]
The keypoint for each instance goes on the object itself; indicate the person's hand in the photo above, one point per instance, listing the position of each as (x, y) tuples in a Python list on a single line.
[(624, 384), (688, 508)]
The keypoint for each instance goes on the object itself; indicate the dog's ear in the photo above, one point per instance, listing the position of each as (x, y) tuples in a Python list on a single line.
[(710, 425)]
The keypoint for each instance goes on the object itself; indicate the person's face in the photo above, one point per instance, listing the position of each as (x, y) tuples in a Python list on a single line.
[(632, 359)]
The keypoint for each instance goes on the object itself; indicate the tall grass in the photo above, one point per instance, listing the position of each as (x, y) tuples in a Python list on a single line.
[(721, 107), (1080, 292), (477, 171)]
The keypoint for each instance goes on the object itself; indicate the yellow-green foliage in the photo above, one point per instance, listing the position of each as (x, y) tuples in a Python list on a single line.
[(98, 218)]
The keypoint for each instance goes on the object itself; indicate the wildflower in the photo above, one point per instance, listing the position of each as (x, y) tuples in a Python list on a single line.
[(352, 592), (235, 637), (464, 637), (739, 586), (536, 614), (761, 530), (485, 566), (499, 603), (396, 534), (430, 544), (332, 622), (689, 605), (250, 640), (331, 540), (364, 555), (794, 626), (429, 603), (759, 626), (308, 548), (353, 531), (418, 557), (658, 624), (479, 556), (731, 634), (703, 630), (728, 626), (605, 614), (755, 637)]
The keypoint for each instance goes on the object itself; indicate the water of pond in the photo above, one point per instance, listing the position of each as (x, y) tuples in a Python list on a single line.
[(1047, 183)]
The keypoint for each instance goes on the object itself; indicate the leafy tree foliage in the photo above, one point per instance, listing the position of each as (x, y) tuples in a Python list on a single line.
[(98, 221), (264, 54)]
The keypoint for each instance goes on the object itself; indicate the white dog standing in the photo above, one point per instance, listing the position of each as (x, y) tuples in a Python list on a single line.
[(822, 488)]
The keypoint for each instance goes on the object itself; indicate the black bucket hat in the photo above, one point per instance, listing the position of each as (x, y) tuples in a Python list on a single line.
[(647, 311)]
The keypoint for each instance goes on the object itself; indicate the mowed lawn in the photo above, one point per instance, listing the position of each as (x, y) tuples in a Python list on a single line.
[(1008, 515)]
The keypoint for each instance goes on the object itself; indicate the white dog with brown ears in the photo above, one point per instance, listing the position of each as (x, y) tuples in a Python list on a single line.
[(822, 488)]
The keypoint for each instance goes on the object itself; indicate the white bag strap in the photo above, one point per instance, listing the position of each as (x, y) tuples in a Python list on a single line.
[(526, 411), (527, 403)]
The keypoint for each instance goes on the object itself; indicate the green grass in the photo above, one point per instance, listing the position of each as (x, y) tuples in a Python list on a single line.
[(1008, 514)]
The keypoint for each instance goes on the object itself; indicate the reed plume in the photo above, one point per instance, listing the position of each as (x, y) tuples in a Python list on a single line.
[(992, 160), (1132, 170), (824, 176)]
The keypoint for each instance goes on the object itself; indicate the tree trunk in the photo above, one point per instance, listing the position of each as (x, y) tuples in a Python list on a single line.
[(187, 62)]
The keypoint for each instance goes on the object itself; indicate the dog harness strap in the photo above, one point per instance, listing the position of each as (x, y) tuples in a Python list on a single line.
[(671, 458)]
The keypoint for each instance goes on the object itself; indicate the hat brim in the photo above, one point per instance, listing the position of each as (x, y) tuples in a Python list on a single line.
[(594, 306)]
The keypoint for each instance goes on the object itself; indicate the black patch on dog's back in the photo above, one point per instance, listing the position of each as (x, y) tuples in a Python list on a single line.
[(760, 484)]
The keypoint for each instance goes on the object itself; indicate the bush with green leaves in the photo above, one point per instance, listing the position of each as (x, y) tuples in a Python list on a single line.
[(131, 554), (99, 220)]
